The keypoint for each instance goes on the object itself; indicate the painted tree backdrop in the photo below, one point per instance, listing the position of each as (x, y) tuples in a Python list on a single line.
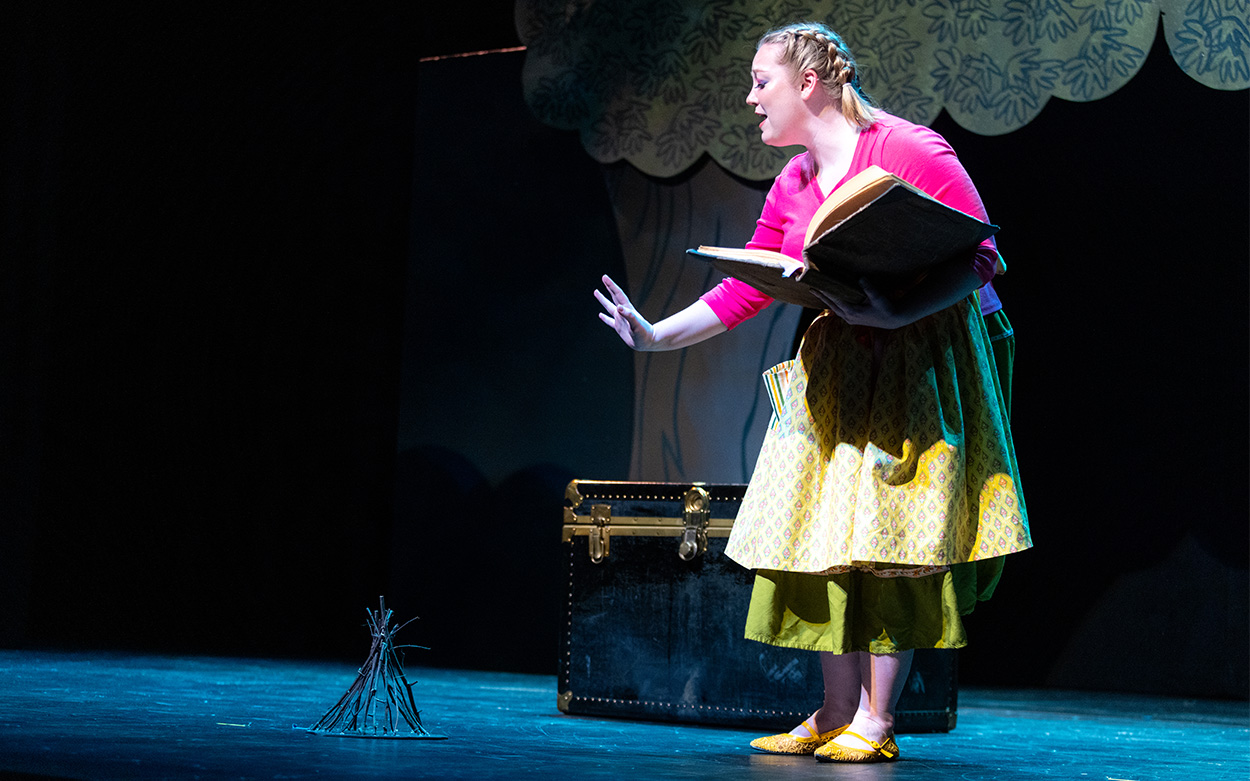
[(661, 82)]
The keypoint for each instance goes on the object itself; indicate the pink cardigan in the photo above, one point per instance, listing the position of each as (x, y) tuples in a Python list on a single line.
[(913, 152)]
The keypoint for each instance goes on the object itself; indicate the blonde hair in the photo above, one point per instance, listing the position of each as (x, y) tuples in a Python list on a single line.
[(813, 45)]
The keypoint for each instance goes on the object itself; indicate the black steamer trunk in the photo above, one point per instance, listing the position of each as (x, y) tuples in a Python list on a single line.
[(654, 627)]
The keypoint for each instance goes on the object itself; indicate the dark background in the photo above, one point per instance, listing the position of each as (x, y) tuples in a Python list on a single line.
[(211, 223)]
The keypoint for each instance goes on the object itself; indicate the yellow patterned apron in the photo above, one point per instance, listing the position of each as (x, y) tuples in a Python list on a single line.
[(885, 447)]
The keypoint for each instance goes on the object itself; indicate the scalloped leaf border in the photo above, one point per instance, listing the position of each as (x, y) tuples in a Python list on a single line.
[(661, 82)]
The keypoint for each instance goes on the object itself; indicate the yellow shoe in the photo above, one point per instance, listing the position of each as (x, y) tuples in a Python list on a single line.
[(881, 752), (786, 743)]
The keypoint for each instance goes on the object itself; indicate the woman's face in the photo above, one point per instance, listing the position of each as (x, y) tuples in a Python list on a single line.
[(776, 98)]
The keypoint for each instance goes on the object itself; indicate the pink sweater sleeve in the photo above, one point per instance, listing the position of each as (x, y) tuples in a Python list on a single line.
[(923, 158), (735, 301)]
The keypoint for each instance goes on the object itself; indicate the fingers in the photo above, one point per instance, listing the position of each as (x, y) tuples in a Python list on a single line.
[(615, 310), (603, 300), (615, 314), (833, 304), (631, 317), (872, 292), (618, 295), (842, 313), (611, 286), (620, 315)]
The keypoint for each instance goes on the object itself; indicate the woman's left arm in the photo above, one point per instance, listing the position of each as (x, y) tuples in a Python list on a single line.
[(923, 157), (944, 286)]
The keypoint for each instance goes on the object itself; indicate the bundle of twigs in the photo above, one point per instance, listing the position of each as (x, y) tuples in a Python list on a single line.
[(379, 703)]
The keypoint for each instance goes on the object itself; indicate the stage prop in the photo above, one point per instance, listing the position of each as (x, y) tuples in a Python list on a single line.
[(654, 626), (661, 85), (379, 703)]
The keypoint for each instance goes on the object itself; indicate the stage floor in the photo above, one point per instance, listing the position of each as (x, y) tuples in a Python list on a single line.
[(106, 716)]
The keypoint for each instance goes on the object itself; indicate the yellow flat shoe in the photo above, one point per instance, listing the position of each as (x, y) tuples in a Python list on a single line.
[(880, 752), (786, 743)]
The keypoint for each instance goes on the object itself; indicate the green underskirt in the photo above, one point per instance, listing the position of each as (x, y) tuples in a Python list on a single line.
[(858, 611), (854, 611)]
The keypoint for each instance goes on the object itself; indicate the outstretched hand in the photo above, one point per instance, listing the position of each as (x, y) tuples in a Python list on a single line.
[(620, 314)]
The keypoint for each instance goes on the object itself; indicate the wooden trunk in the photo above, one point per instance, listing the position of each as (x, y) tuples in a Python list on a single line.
[(654, 626)]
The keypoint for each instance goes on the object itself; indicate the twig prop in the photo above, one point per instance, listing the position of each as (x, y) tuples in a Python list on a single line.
[(379, 703)]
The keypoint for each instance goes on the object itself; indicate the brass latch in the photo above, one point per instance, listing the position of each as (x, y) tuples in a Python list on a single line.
[(601, 534), (642, 515), (696, 513)]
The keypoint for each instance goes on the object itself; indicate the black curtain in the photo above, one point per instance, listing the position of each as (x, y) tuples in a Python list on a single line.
[(205, 223)]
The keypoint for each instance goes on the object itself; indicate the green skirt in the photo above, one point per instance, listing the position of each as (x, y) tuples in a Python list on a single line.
[(860, 611)]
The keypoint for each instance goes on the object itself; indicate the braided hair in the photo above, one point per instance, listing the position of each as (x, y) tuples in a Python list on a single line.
[(813, 45)]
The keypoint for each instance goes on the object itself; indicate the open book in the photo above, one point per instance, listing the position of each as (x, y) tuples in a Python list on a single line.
[(875, 225)]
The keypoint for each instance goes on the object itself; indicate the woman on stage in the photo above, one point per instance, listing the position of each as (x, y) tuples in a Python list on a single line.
[(886, 492)]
